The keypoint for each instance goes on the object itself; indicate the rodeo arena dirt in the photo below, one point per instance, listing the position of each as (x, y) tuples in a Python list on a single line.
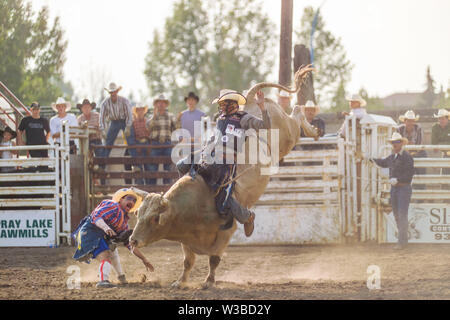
[(324, 226)]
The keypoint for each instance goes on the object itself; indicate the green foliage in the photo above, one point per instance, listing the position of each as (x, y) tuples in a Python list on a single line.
[(210, 45), (339, 101), (31, 52), (428, 96), (330, 60)]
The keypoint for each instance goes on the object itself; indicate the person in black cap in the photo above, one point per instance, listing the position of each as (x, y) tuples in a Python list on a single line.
[(37, 132), (187, 119)]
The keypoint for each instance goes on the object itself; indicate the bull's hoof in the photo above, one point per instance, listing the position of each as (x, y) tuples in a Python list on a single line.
[(208, 285), (178, 285)]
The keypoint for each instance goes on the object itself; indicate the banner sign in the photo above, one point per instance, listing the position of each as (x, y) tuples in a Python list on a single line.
[(27, 228), (427, 223)]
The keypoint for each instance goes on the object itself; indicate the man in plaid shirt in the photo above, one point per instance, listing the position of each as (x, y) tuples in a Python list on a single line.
[(161, 125)]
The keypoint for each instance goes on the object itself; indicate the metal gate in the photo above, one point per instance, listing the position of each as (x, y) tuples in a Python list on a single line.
[(35, 198)]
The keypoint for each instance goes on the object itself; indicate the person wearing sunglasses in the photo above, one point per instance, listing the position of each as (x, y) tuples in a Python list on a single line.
[(97, 235)]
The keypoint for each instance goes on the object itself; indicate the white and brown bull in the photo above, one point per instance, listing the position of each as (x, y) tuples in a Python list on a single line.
[(186, 213)]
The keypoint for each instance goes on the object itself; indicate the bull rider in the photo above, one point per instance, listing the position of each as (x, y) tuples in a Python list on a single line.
[(230, 137)]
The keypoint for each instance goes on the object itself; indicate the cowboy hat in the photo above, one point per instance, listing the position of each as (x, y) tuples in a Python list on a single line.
[(113, 87), (409, 115), (140, 106), (86, 102), (227, 94), (59, 101), (11, 131), (284, 94), (161, 97), (398, 137), (124, 192), (192, 95), (357, 97), (442, 113), (310, 104)]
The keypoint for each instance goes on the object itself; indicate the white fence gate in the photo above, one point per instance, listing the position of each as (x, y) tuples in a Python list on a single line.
[(35, 205), (302, 202)]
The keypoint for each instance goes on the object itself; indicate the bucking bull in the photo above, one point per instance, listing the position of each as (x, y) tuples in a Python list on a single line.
[(186, 213)]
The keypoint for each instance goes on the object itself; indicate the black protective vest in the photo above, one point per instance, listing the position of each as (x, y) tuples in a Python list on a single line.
[(231, 130)]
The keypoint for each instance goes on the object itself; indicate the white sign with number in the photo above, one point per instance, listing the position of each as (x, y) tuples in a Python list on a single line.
[(27, 228), (427, 223)]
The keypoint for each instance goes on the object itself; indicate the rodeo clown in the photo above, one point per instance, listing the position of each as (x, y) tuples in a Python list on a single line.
[(100, 232), (229, 139)]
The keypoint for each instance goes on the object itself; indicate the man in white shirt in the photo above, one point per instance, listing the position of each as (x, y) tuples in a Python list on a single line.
[(357, 105), (61, 106)]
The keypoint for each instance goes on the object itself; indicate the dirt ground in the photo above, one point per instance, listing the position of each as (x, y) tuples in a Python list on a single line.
[(256, 272)]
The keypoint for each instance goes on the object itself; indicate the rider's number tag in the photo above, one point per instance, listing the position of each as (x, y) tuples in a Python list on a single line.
[(231, 129)]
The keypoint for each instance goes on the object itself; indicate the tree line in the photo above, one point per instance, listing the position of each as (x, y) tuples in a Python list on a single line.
[(203, 46)]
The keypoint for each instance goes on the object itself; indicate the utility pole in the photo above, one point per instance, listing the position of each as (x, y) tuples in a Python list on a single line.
[(285, 73)]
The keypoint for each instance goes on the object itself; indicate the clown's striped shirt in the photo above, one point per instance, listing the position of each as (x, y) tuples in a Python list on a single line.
[(112, 214)]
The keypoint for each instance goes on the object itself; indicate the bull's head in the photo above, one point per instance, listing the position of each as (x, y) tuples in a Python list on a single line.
[(152, 217)]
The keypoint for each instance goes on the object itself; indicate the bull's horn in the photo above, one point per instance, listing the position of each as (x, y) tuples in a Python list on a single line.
[(299, 77), (140, 192)]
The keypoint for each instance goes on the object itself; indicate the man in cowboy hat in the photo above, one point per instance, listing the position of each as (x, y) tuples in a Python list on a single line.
[(140, 136), (284, 100), (310, 110), (37, 132), (412, 131), (61, 106), (161, 125), (116, 110), (189, 117), (401, 172), (96, 234), (6, 137), (228, 141), (91, 119), (357, 105), (440, 134)]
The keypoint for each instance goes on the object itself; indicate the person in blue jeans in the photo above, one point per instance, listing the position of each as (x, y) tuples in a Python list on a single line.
[(161, 125), (160, 152), (116, 110), (401, 172)]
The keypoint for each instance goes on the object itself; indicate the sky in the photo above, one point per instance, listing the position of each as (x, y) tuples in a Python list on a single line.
[(390, 43)]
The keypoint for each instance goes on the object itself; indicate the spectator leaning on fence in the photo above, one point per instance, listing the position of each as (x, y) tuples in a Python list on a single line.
[(357, 105), (401, 172), (116, 110), (311, 110), (90, 118), (139, 136), (61, 106), (95, 234), (7, 136), (37, 132), (284, 100), (161, 125), (440, 134), (187, 119)]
